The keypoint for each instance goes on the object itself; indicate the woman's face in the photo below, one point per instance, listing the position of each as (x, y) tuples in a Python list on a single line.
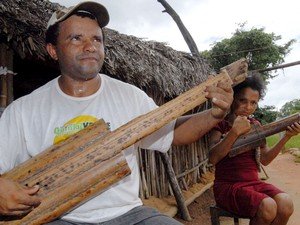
[(245, 102)]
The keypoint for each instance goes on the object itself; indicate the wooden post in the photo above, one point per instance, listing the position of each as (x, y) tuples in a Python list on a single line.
[(182, 208), (3, 91), (6, 78)]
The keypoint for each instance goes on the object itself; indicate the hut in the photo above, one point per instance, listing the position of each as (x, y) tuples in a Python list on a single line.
[(159, 70)]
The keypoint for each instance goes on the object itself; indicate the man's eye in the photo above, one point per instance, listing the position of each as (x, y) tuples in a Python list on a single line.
[(75, 38), (98, 40)]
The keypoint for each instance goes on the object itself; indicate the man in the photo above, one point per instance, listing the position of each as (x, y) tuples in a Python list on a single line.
[(80, 95)]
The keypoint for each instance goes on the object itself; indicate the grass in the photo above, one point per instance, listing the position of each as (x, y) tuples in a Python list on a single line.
[(294, 142)]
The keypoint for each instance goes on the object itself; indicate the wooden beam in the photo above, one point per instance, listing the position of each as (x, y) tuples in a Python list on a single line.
[(277, 67)]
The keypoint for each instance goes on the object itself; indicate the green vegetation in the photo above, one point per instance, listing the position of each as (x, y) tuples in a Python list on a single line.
[(266, 114), (290, 108), (260, 48), (294, 142), (262, 51), (272, 140)]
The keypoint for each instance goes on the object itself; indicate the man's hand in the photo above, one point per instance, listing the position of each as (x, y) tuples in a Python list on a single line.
[(221, 97), (17, 200)]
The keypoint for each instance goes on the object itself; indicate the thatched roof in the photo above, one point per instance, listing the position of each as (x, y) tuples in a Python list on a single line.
[(147, 64), (22, 25)]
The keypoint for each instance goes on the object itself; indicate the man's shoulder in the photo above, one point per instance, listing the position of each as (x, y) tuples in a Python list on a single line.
[(119, 83), (38, 93)]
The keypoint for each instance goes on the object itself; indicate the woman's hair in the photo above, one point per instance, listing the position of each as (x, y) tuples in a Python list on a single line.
[(255, 82), (53, 31)]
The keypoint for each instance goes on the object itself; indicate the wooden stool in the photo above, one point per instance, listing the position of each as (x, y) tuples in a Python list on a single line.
[(216, 212)]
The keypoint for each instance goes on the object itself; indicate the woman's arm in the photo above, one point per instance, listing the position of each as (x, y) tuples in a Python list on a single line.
[(221, 147), (269, 154)]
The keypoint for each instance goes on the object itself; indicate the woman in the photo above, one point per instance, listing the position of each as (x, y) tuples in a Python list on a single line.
[(237, 187)]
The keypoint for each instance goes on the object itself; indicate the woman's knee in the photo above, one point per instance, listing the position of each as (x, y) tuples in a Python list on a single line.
[(285, 206), (267, 210)]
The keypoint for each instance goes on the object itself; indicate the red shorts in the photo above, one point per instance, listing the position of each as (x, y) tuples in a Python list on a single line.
[(243, 198)]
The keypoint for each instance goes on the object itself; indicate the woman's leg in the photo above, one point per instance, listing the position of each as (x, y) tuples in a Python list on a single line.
[(266, 212), (285, 208), (274, 211)]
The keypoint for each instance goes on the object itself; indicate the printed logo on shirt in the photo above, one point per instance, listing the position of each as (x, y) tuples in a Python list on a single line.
[(72, 126)]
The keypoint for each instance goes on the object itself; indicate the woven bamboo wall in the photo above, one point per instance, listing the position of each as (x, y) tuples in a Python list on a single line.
[(189, 164)]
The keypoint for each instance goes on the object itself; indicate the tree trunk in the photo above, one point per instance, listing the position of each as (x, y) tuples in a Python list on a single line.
[(185, 33)]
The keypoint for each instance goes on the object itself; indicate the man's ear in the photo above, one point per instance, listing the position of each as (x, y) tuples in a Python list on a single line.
[(52, 51)]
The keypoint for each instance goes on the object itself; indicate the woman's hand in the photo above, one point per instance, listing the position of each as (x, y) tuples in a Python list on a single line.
[(293, 130), (241, 125)]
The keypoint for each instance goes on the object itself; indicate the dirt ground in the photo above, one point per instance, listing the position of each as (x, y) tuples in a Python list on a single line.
[(283, 172)]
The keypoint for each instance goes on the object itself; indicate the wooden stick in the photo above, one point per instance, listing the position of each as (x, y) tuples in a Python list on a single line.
[(182, 208)]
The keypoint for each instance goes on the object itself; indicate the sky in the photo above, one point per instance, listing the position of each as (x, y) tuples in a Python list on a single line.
[(210, 21)]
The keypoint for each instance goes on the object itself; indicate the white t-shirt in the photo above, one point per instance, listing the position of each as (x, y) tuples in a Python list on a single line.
[(34, 122)]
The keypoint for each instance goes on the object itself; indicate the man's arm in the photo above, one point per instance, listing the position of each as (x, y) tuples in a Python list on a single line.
[(191, 128)]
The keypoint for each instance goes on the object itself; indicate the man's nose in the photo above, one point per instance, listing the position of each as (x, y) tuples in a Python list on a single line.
[(89, 46)]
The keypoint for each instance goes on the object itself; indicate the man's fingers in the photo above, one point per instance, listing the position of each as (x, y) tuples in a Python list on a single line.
[(225, 86), (222, 105), (19, 209), (221, 90), (17, 212), (31, 190), (31, 201)]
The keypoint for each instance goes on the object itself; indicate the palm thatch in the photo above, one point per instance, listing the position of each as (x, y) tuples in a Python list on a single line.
[(150, 64), (22, 26)]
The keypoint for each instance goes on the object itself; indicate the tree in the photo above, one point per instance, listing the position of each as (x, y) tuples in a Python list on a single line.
[(266, 114), (290, 108), (256, 45)]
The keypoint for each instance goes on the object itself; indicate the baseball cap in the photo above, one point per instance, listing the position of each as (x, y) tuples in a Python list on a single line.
[(94, 8)]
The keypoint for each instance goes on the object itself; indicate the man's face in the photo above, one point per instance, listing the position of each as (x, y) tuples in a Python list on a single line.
[(80, 48)]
